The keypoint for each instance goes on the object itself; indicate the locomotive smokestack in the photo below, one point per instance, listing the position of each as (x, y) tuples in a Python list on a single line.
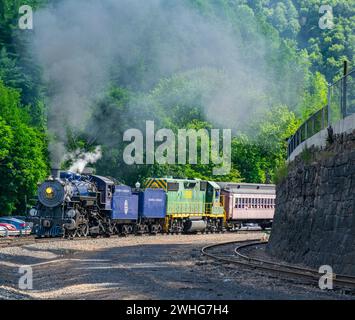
[(55, 173)]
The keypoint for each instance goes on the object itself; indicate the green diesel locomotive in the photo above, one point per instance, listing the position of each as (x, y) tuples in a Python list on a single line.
[(192, 204)]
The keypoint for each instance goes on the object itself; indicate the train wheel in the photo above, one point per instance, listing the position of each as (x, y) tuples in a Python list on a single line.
[(84, 230), (155, 228), (125, 229), (70, 234), (114, 229)]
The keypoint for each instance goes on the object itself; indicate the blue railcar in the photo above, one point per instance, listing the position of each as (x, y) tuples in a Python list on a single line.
[(124, 214), (152, 204), (124, 204), (152, 211)]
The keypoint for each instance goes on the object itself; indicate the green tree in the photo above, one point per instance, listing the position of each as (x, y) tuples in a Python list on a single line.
[(258, 156), (314, 97), (22, 153), (6, 139)]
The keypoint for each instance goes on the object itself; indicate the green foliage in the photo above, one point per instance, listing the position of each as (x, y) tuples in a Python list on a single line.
[(329, 47), (315, 97), (306, 155), (258, 155), (10, 73), (23, 149), (248, 160), (299, 20), (22, 153), (6, 139), (17, 67)]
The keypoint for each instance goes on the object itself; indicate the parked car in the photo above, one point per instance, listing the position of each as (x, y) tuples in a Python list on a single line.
[(24, 218), (20, 225), (3, 232), (11, 229)]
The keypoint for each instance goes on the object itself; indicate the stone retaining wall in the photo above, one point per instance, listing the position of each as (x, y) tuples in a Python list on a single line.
[(314, 220)]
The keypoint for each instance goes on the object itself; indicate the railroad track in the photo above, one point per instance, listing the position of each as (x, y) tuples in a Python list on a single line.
[(28, 240), (281, 269), (9, 242)]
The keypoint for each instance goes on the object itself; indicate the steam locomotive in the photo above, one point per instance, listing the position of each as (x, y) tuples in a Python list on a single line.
[(74, 205)]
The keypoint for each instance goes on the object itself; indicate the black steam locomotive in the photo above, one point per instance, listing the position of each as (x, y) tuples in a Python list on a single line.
[(73, 205)]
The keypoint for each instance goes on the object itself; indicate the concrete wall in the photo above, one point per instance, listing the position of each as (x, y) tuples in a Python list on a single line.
[(314, 219), (319, 139)]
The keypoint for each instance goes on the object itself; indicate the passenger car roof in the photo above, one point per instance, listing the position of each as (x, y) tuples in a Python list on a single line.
[(214, 184), (236, 187)]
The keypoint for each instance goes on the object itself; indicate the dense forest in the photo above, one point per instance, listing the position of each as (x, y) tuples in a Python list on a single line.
[(75, 82)]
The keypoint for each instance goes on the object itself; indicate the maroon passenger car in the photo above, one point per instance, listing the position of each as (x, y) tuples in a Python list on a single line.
[(248, 203)]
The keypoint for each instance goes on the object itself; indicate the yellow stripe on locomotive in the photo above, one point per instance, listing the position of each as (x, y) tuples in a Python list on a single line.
[(155, 183)]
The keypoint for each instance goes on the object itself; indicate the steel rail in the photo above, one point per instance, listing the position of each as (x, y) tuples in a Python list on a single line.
[(339, 278), (19, 242), (251, 259), (285, 269)]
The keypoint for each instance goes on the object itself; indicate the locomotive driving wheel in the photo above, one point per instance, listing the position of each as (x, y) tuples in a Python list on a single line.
[(114, 229), (83, 230), (69, 234)]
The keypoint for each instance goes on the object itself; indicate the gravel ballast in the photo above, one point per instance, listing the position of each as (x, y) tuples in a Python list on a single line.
[(142, 267)]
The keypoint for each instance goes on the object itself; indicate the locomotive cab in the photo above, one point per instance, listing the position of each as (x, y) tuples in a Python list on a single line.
[(214, 199), (106, 188)]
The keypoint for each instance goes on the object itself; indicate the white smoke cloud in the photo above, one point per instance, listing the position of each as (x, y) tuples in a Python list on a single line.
[(82, 45), (81, 159)]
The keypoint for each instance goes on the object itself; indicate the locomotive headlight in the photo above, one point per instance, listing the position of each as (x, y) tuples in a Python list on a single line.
[(33, 212), (71, 213), (49, 193)]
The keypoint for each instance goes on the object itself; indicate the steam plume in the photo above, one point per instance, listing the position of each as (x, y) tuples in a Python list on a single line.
[(84, 45), (81, 159)]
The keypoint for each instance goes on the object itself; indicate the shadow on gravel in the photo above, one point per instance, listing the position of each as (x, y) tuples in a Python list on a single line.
[(150, 271), (10, 264)]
